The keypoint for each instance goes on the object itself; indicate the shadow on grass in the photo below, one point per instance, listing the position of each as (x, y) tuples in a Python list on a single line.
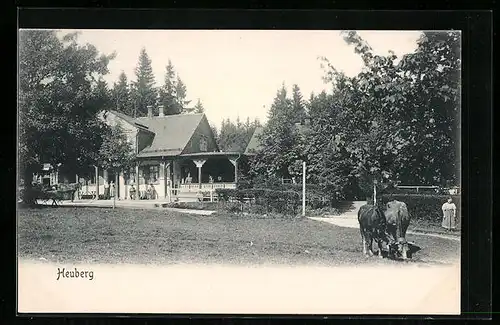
[(66, 206), (159, 236)]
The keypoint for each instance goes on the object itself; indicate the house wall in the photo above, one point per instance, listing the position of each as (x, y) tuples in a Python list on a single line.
[(129, 129), (133, 133), (203, 131), (139, 140)]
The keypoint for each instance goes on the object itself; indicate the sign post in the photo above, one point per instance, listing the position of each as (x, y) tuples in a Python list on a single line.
[(374, 192), (304, 189)]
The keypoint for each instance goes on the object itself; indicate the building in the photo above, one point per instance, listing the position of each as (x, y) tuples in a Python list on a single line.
[(176, 154)]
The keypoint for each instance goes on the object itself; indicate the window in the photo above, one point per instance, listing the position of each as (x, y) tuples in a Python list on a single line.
[(203, 144)]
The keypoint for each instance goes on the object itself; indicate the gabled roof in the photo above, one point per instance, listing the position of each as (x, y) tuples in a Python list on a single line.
[(254, 143), (239, 145), (125, 117), (133, 121), (172, 133)]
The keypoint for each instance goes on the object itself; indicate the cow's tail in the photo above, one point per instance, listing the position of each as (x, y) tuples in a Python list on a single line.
[(360, 225), (399, 224)]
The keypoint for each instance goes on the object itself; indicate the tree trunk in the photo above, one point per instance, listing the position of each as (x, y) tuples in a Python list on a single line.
[(28, 196)]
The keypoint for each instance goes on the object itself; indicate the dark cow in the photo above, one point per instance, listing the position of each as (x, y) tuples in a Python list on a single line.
[(372, 225), (397, 221)]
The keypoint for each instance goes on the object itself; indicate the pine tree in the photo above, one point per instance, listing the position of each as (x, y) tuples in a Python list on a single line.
[(144, 86), (104, 94), (121, 95), (181, 94), (280, 139), (234, 136), (298, 106), (216, 133), (168, 93), (198, 108)]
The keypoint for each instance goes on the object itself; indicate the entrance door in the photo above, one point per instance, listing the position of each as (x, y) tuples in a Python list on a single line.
[(112, 178)]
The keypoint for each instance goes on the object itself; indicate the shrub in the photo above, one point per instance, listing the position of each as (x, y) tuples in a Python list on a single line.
[(225, 194), (269, 200), (273, 196), (192, 205), (423, 206), (244, 184), (424, 191)]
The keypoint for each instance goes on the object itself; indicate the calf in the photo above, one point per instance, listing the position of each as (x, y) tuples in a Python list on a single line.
[(372, 226), (397, 220)]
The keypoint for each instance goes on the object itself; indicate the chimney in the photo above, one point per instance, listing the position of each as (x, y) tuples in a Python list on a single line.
[(160, 111), (150, 111)]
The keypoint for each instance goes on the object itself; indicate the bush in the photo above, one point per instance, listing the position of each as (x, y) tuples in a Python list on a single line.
[(244, 184), (403, 191), (224, 194), (272, 196), (423, 206), (192, 205), (323, 212), (261, 200), (253, 215)]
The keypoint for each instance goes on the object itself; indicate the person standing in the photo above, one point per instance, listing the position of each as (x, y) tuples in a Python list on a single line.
[(449, 210), (106, 190), (112, 189), (132, 192), (151, 192)]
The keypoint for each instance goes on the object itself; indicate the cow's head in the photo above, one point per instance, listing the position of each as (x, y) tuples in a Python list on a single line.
[(400, 249)]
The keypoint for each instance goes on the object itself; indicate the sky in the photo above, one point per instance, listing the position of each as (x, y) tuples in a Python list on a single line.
[(236, 73)]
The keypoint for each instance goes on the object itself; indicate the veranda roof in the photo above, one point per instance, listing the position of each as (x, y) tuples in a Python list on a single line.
[(209, 154), (254, 143)]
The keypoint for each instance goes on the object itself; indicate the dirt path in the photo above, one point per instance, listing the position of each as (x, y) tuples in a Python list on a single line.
[(239, 289), (128, 204), (349, 219)]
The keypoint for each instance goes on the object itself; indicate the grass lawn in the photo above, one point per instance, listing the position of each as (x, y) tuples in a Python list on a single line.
[(433, 226), (104, 235)]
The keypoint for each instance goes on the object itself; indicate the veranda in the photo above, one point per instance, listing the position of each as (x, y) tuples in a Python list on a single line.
[(166, 178)]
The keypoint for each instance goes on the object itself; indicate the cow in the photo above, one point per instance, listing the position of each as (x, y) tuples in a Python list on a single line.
[(372, 226), (397, 221)]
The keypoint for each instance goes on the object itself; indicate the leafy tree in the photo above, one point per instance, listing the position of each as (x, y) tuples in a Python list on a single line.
[(121, 95), (364, 128), (116, 152), (431, 88), (59, 97), (144, 91), (398, 122)]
